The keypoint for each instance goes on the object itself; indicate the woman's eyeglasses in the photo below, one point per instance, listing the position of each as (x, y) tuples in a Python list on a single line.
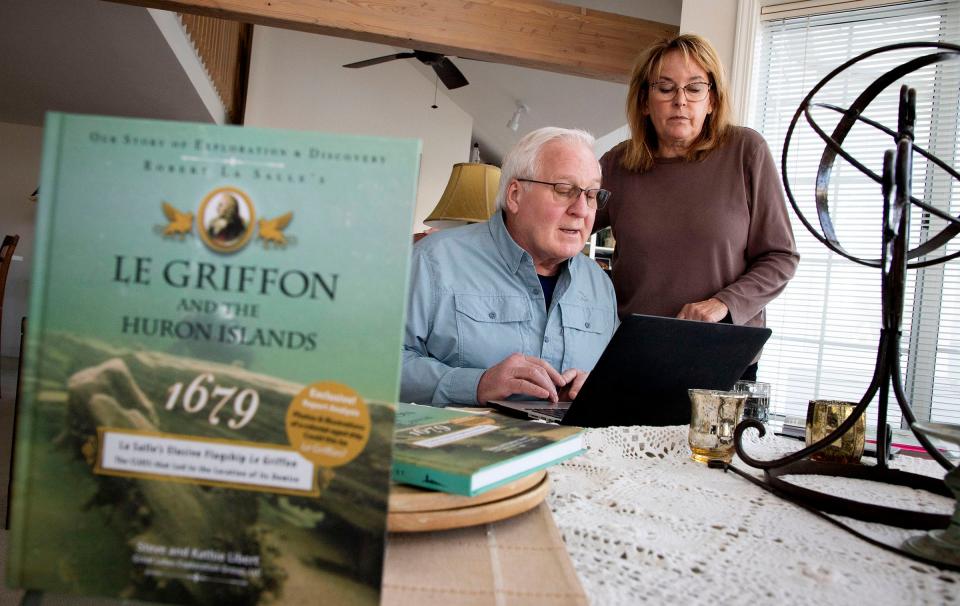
[(665, 90), (596, 197)]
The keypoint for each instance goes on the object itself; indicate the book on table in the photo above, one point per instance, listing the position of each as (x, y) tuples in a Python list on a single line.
[(212, 363), (468, 453)]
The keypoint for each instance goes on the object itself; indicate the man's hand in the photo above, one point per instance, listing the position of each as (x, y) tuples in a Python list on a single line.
[(574, 378), (519, 374), (711, 310)]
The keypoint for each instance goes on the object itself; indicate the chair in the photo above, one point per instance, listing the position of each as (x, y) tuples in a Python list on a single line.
[(6, 257), (13, 425)]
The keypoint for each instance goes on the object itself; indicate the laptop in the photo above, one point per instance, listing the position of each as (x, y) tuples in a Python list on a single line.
[(643, 375)]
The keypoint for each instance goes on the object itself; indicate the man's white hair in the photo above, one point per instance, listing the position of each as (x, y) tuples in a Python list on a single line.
[(523, 159)]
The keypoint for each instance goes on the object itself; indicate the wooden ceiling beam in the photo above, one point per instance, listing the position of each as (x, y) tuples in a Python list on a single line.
[(530, 33)]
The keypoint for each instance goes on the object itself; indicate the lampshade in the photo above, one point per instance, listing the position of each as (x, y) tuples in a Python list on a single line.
[(470, 197)]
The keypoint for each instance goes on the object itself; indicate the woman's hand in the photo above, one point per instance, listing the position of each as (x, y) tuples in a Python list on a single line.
[(711, 310)]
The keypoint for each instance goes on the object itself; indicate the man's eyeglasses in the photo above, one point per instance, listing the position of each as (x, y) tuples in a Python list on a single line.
[(596, 197), (665, 90)]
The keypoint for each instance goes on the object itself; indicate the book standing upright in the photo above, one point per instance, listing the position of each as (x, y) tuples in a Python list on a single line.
[(212, 357)]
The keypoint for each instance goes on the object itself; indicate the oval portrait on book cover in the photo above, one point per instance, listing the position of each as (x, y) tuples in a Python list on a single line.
[(226, 219)]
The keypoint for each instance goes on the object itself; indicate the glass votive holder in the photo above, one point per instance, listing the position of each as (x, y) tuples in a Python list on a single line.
[(757, 404), (823, 416), (713, 417)]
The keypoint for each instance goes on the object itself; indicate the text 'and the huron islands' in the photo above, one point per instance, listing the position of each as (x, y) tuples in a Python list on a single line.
[(224, 278)]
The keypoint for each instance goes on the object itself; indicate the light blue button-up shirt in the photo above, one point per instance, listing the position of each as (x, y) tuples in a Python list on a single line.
[(475, 299)]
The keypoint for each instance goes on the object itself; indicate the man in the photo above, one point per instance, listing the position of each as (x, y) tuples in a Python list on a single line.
[(228, 224), (510, 307)]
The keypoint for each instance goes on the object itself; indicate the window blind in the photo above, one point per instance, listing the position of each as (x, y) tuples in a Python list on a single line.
[(826, 324)]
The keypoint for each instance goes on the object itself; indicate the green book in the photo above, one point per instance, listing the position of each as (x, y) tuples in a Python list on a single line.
[(469, 453), (212, 363)]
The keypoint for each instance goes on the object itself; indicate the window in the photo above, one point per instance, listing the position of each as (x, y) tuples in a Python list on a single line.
[(827, 323)]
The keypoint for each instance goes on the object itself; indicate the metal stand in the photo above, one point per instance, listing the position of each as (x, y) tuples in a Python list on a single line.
[(941, 545), (893, 263)]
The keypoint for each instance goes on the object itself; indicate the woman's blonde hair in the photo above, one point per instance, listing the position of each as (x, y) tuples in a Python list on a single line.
[(641, 149)]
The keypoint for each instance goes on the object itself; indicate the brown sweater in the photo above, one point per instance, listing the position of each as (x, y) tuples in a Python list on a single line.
[(688, 231)]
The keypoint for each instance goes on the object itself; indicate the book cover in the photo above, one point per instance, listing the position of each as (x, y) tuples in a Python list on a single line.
[(468, 453), (212, 361)]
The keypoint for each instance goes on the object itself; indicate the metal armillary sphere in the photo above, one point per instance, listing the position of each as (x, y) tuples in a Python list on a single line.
[(895, 258)]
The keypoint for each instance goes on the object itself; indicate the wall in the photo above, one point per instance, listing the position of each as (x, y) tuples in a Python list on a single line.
[(606, 142), (716, 20), (296, 81), (19, 174)]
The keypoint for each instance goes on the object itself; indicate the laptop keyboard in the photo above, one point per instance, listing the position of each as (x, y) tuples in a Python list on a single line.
[(553, 413)]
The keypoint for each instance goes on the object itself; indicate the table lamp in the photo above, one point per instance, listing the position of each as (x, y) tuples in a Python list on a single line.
[(470, 196)]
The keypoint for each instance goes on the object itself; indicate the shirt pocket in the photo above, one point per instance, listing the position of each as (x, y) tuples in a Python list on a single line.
[(490, 328), (586, 331)]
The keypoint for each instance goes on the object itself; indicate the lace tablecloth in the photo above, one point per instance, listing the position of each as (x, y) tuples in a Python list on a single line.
[(645, 524)]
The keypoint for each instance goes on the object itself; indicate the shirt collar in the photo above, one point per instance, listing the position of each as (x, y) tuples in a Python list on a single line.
[(511, 252)]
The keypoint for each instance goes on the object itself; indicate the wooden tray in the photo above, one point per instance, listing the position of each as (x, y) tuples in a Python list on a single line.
[(417, 510), (410, 498)]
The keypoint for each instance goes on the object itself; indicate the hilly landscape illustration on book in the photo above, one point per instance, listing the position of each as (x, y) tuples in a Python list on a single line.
[(211, 364)]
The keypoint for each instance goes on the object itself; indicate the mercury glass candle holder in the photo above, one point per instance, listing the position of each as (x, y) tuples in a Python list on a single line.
[(823, 416), (713, 417)]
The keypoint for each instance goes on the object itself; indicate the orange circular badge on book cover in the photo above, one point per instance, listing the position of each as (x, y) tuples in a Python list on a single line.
[(328, 423)]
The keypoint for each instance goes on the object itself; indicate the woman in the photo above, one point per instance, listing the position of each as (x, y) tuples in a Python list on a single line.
[(697, 209)]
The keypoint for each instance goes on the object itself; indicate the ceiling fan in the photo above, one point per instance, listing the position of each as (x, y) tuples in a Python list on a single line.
[(447, 72)]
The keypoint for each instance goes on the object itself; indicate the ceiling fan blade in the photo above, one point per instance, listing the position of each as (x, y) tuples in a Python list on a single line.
[(377, 60), (427, 57), (449, 74)]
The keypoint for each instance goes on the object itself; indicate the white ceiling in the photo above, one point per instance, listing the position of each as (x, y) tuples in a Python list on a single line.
[(553, 99), (88, 56)]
